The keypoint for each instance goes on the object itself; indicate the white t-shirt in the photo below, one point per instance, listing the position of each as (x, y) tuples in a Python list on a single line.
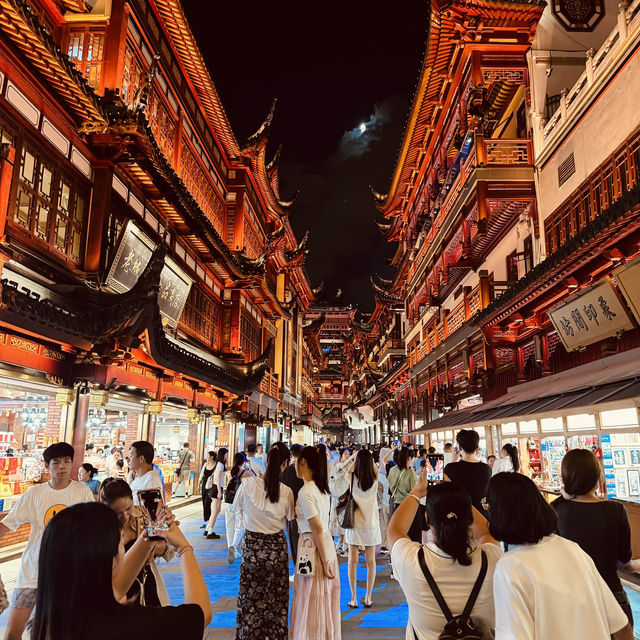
[(449, 457), (37, 506), (259, 513), (218, 476), (312, 503), (552, 589), (149, 480), (454, 580)]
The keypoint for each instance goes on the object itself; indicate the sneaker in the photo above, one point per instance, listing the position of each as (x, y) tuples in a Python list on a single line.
[(212, 536), (231, 556), (203, 526), (384, 551), (291, 578), (344, 553)]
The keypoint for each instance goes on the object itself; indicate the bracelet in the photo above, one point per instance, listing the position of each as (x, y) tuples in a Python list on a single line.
[(413, 495), (182, 551)]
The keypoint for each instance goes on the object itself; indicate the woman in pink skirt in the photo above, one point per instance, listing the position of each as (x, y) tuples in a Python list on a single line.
[(315, 611)]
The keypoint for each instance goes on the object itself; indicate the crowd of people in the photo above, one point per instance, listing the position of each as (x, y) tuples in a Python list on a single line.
[(475, 548)]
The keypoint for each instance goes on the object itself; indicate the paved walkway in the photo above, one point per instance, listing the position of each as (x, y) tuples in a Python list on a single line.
[(385, 620)]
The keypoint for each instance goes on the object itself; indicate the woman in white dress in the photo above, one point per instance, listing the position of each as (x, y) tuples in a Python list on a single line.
[(363, 479)]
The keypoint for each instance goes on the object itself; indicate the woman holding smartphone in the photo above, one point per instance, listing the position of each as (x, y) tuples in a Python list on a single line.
[(87, 536), (216, 492), (315, 610), (148, 587), (233, 524)]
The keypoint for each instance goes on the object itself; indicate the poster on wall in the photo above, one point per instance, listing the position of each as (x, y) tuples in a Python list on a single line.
[(594, 314), (133, 255)]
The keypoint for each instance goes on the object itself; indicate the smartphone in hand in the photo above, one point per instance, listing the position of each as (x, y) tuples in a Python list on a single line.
[(152, 506)]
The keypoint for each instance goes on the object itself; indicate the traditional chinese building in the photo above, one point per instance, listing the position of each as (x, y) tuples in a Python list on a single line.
[(462, 188), (336, 344), (152, 286)]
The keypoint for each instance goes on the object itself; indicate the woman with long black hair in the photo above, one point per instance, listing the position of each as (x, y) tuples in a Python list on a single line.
[(205, 473), (315, 610), (87, 538), (362, 477), (265, 505), (462, 545), (233, 524), (216, 492)]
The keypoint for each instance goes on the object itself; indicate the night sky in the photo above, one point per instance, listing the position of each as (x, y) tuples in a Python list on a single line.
[(333, 66)]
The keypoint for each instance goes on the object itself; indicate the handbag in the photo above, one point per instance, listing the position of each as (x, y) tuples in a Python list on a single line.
[(459, 627), (306, 561), (346, 508), (209, 484)]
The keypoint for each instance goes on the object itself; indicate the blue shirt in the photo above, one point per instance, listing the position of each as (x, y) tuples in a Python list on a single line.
[(94, 485), (157, 468)]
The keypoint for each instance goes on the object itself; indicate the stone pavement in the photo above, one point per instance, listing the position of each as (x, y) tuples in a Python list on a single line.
[(386, 620)]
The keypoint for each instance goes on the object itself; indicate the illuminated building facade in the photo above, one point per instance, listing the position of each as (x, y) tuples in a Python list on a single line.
[(152, 286)]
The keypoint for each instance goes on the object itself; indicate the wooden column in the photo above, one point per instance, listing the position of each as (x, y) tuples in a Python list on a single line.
[(100, 202), (7, 159)]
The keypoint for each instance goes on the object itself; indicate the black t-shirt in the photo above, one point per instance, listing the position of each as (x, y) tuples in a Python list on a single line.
[(601, 529), (474, 477), (289, 477), (185, 622)]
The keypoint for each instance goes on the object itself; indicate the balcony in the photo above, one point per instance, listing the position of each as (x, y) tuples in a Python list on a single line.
[(489, 160), (600, 68)]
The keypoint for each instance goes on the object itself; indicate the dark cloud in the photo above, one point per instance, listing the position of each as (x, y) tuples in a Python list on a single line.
[(343, 66)]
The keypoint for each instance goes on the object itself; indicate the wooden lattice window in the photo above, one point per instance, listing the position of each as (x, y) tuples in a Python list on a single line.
[(132, 74), (49, 204), (162, 124), (202, 314), (250, 336), (86, 51)]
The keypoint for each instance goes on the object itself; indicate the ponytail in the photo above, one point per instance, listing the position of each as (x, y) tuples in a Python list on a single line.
[(275, 459), (317, 464), (238, 461), (512, 452), (449, 512)]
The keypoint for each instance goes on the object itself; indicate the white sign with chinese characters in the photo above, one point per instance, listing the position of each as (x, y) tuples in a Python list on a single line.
[(628, 281), (133, 255), (589, 317)]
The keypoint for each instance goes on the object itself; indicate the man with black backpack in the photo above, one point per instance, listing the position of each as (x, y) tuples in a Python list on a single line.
[(448, 583)]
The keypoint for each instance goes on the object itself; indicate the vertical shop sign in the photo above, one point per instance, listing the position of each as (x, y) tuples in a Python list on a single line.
[(591, 316), (133, 255), (607, 462)]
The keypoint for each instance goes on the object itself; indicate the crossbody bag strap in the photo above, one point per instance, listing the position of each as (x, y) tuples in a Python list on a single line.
[(393, 493), (476, 588), (434, 587)]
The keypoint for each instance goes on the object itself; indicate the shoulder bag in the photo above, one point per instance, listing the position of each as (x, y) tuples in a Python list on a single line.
[(306, 560), (395, 490), (346, 508), (458, 627)]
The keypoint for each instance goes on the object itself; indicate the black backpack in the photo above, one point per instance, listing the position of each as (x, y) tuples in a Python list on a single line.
[(459, 627), (232, 488)]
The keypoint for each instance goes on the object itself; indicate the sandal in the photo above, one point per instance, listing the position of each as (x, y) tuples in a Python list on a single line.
[(353, 605), (364, 604)]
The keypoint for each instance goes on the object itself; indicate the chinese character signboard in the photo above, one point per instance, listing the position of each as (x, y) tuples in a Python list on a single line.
[(589, 317), (133, 255), (628, 281)]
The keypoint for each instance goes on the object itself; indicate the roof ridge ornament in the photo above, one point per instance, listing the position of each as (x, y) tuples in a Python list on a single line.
[(261, 136)]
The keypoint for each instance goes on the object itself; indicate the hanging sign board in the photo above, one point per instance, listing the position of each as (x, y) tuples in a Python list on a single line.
[(133, 255), (628, 281), (589, 317)]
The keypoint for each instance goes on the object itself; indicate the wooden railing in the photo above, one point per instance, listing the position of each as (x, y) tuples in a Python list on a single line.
[(610, 181), (597, 66), (269, 385)]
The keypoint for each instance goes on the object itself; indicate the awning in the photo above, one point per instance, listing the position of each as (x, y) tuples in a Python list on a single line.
[(606, 381)]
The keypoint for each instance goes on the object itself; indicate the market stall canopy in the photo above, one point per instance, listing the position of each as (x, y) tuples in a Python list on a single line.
[(609, 380)]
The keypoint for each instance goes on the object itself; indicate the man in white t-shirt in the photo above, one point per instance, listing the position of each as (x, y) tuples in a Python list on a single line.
[(141, 456), (261, 455), (255, 464), (37, 507)]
